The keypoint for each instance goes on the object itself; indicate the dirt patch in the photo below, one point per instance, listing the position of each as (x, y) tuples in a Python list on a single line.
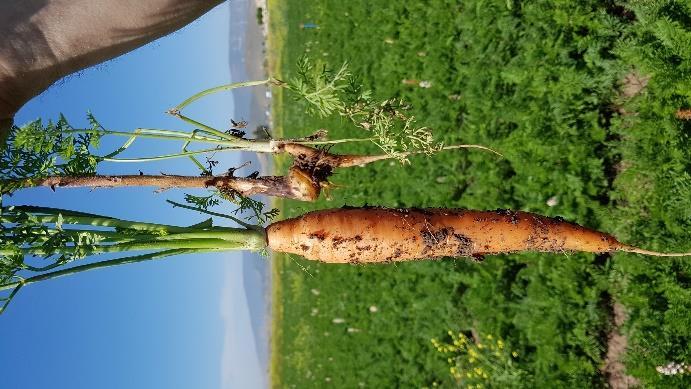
[(633, 83), (614, 368), (630, 86)]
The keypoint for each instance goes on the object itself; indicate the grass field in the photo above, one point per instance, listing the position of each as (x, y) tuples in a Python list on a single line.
[(581, 98)]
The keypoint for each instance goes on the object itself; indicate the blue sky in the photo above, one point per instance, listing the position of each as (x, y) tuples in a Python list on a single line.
[(164, 324)]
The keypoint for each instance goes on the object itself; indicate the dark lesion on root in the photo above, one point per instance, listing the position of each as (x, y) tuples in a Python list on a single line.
[(446, 240), (297, 185), (315, 165), (465, 246), (319, 235), (432, 238), (306, 177), (339, 240), (398, 252), (512, 215)]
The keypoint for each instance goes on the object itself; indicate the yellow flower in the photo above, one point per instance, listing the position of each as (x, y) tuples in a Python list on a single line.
[(500, 344), (515, 354)]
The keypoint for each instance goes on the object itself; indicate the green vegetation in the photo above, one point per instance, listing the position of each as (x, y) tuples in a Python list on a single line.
[(552, 86), (260, 16), (478, 360), (39, 243)]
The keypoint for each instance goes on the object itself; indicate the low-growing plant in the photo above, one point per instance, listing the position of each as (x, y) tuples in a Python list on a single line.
[(482, 361)]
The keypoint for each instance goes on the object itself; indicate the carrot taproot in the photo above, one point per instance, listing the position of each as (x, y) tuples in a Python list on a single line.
[(370, 235)]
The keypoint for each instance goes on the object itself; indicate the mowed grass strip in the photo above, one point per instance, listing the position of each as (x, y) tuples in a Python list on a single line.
[(541, 83)]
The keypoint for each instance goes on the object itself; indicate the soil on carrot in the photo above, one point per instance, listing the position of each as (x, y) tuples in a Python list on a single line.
[(542, 84)]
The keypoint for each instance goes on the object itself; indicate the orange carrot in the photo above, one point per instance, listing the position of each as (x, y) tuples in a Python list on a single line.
[(368, 235)]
